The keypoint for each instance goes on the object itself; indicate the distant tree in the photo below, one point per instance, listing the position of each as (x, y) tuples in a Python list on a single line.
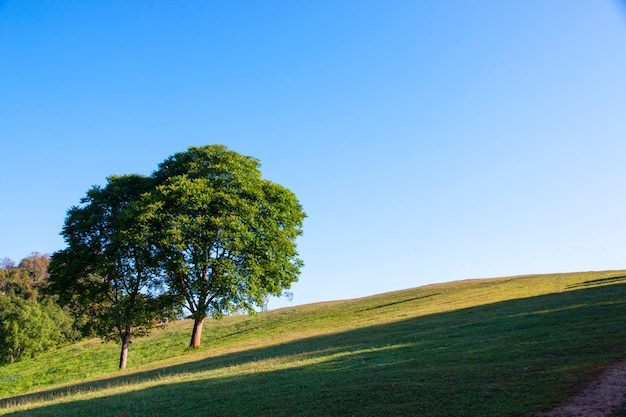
[(265, 302), (224, 236), (28, 328), (6, 264), (266, 299), (36, 266), (107, 275), (26, 279), (30, 322)]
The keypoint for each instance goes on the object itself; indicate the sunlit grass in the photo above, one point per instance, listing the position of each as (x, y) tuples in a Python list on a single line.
[(498, 347)]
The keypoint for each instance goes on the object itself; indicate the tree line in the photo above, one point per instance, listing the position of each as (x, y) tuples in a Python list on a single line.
[(31, 322), (205, 234)]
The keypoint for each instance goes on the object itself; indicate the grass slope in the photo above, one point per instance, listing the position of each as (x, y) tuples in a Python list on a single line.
[(497, 347)]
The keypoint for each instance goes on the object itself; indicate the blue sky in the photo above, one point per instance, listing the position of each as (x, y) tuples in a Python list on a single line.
[(427, 141)]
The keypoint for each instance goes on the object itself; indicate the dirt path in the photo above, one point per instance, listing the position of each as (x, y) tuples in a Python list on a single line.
[(600, 398)]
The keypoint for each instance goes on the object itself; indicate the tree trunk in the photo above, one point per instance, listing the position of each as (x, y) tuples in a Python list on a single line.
[(197, 332), (124, 352)]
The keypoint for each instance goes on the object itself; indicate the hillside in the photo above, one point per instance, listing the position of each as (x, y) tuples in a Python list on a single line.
[(496, 347)]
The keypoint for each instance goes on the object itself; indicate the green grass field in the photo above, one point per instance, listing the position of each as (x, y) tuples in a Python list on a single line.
[(497, 347)]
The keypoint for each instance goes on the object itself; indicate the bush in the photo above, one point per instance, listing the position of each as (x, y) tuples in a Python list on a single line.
[(28, 328)]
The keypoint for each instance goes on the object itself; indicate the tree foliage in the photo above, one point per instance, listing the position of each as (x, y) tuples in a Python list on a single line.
[(224, 236), (30, 322), (108, 275), (26, 279), (205, 232), (28, 327)]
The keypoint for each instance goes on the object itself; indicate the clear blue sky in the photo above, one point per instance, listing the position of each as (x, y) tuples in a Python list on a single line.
[(428, 141)]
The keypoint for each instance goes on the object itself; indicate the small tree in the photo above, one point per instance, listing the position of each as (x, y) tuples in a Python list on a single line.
[(108, 274), (224, 236), (266, 299)]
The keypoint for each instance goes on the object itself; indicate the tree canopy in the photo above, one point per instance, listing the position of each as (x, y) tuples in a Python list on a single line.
[(26, 279), (30, 322), (108, 274), (205, 232), (225, 236)]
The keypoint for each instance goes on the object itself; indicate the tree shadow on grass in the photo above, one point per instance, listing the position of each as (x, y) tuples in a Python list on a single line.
[(496, 359), (601, 281), (409, 300)]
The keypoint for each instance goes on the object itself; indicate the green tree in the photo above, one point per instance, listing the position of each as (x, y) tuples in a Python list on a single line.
[(224, 235), (28, 328), (107, 275), (30, 322)]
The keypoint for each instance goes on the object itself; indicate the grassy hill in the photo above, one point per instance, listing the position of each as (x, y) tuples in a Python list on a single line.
[(497, 347)]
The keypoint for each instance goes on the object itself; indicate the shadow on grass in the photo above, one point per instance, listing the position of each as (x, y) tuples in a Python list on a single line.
[(602, 281), (401, 302), (510, 358)]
